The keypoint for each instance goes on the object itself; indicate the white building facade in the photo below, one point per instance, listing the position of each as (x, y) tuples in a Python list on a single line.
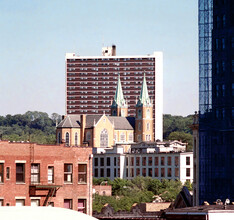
[(143, 159)]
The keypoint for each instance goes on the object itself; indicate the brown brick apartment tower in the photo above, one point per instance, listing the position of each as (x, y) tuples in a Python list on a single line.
[(91, 83)]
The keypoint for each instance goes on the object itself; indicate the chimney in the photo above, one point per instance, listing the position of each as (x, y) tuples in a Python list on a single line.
[(113, 50), (83, 125)]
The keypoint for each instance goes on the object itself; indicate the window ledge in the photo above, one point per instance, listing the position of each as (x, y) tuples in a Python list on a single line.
[(20, 183), (82, 183), (68, 183)]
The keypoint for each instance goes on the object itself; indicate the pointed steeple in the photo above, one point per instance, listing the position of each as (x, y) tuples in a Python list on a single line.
[(144, 95), (119, 98)]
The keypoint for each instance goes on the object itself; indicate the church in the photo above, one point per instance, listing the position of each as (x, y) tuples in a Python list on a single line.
[(103, 131)]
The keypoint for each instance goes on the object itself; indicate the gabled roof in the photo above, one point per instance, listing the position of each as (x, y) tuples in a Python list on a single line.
[(144, 95), (122, 123), (91, 120), (71, 121)]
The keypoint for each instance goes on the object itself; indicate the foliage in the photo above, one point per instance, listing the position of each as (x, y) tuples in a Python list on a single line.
[(32, 126), (177, 128), (138, 190), (189, 185)]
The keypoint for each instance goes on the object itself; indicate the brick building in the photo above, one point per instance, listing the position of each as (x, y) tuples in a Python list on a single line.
[(91, 83), (41, 175)]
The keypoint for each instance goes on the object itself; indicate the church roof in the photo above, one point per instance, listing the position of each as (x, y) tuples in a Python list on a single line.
[(71, 121), (120, 123), (119, 97), (144, 95)]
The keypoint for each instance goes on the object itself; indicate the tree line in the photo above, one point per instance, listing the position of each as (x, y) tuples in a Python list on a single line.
[(32, 126), (39, 127), (138, 190)]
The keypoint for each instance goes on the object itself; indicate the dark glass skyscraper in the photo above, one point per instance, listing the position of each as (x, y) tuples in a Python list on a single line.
[(216, 100)]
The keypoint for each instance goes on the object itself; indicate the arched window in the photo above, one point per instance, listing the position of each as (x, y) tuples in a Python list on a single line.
[(139, 126), (104, 138), (76, 139), (148, 113), (139, 113), (67, 139), (148, 126), (59, 138), (130, 137)]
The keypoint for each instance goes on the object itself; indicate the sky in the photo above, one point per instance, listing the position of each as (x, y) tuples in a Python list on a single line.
[(35, 36)]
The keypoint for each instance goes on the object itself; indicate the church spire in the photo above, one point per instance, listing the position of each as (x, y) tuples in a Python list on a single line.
[(144, 95), (119, 98)]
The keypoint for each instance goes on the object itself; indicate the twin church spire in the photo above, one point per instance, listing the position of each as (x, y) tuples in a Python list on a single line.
[(119, 105)]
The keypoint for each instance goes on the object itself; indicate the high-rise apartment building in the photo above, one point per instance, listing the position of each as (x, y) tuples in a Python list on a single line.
[(91, 83), (216, 100)]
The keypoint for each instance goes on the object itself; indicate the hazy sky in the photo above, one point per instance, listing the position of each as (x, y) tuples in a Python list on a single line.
[(36, 34)]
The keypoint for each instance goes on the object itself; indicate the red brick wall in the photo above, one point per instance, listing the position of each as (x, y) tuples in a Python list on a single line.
[(46, 155)]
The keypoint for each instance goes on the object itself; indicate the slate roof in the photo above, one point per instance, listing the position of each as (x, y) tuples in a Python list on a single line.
[(71, 121), (120, 123)]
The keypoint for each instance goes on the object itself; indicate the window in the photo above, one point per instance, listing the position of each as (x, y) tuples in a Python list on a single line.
[(137, 161), (150, 172), (176, 172), (1, 202), (187, 160), (108, 161), (162, 172), (139, 137), (108, 172), (169, 161), (162, 161), (102, 161), (50, 174), (132, 172), (88, 136), (104, 138), (20, 172), (68, 173), (143, 171), (169, 172), (156, 161), (149, 161), (35, 173), (130, 137), (126, 161), (96, 161), (137, 171), (8, 173), (96, 172), (59, 138), (76, 139), (156, 172), (188, 172), (19, 202), (122, 137), (82, 173), (101, 172), (143, 161), (176, 161), (139, 126), (67, 203), (148, 126), (35, 202), (139, 113), (1, 172), (82, 205), (67, 139), (148, 113)]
